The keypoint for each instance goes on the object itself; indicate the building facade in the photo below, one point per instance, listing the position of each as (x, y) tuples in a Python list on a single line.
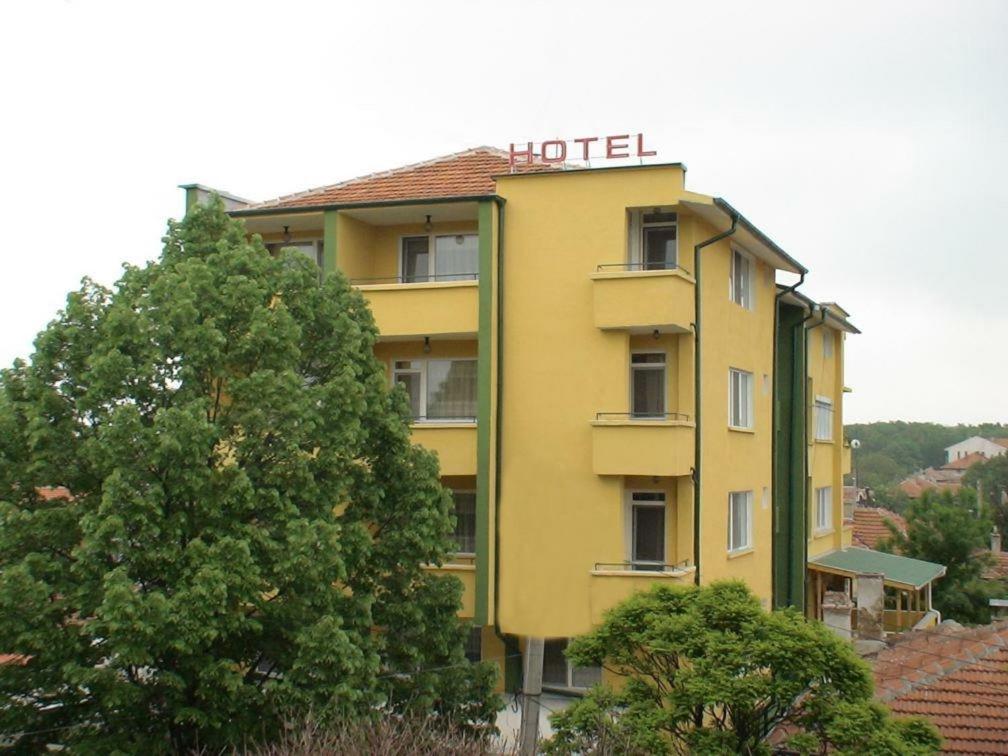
[(618, 390)]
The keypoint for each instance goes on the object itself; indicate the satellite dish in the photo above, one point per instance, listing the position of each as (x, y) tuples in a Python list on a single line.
[(855, 444)]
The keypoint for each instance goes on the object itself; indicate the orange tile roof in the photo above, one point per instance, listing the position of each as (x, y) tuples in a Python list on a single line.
[(998, 570), (463, 174), (964, 463), (49, 493), (870, 527), (956, 677)]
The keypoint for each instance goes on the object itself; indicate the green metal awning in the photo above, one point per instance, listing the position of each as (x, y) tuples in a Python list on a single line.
[(899, 571)]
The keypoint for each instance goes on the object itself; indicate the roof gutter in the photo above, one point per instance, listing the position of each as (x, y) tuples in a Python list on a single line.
[(697, 389)]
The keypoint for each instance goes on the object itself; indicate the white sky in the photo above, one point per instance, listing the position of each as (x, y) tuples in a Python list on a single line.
[(870, 140)]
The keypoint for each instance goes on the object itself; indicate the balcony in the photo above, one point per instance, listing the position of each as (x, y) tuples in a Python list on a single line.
[(454, 441), (623, 444), (642, 301), (613, 583), (463, 567), (404, 309)]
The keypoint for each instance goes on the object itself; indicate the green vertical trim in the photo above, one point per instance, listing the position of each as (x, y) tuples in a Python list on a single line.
[(484, 392), (329, 241), (191, 198)]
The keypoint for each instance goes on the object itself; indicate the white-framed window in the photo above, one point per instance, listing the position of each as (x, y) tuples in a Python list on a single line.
[(465, 522), (439, 257), (824, 508), (740, 514), (827, 343), (823, 419), (648, 384), (741, 280), (646, 530), (653, 243), (310, 248), (740, 398), (439, 390), (560, 673)]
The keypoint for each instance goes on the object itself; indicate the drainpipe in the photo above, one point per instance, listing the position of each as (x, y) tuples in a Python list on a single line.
[(697, 393), (498, 434)]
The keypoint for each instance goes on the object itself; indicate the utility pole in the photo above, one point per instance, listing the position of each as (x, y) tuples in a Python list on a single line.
[(531, 690)]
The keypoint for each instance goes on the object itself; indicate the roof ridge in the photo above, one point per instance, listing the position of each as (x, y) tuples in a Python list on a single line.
[(381, 174)]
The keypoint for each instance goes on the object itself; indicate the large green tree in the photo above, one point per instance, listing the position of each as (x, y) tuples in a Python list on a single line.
[(948, 529), (248, 520), (708, 671), (990, 480)]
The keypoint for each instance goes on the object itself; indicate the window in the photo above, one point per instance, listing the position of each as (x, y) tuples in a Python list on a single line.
[(310, 249), (559, 673), (740, 399), (827, 343), (647, 530), (455, 258), (647, 384), (824, 508), (439, 389), (741, 285), (653, 240), (415, 258), (465, 521), (740, 504), (823, 419), (474, 644)]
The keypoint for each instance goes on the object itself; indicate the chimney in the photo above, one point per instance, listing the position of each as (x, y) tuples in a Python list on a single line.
[(995, 540)]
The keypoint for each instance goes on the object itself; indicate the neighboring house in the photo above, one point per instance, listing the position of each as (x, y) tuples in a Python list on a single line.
[(543, 322), (870, 526), (985, 447), (954, 676), (948, 477)]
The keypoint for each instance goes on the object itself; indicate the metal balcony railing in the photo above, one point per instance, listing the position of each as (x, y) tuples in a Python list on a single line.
[(681, 417), (642, 566), (432, 278), (443, 419), (641, 266)]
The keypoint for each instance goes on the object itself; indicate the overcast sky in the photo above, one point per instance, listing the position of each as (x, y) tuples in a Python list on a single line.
[(870, 140)]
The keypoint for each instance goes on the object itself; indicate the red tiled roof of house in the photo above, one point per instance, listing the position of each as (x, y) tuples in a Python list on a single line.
[(964, 463), (49, 493), (956, 677), (870, 527), (1001, 442), (13, 659), (463, 174), (998, 570)]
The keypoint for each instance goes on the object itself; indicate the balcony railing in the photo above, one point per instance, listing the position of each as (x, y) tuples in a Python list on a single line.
[(443, 419), (432, 278), (642, 566), (642, 266), (679, 417)]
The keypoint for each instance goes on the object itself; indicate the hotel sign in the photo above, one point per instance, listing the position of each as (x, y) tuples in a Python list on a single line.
[(557, 150)]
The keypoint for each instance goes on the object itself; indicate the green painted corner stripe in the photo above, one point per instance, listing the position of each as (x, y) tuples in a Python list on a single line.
[(483, 393), (329, 242)]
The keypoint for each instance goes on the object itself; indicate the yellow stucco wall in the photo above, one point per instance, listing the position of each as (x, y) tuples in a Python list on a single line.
[(825, 375), (559, 518)]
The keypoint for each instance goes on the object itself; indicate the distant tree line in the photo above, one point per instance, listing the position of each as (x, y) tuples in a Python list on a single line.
[(892, 450)]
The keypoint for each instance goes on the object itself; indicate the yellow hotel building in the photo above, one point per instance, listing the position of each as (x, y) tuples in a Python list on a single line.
[(601, 359)]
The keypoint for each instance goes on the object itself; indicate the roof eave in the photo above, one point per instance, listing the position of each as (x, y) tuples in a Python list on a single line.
[(274, 210)]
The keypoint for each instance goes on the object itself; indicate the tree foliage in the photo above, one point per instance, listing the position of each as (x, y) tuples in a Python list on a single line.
[(708, 671), (990, 480), (890, 451), (947, 528), (248, 521)]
